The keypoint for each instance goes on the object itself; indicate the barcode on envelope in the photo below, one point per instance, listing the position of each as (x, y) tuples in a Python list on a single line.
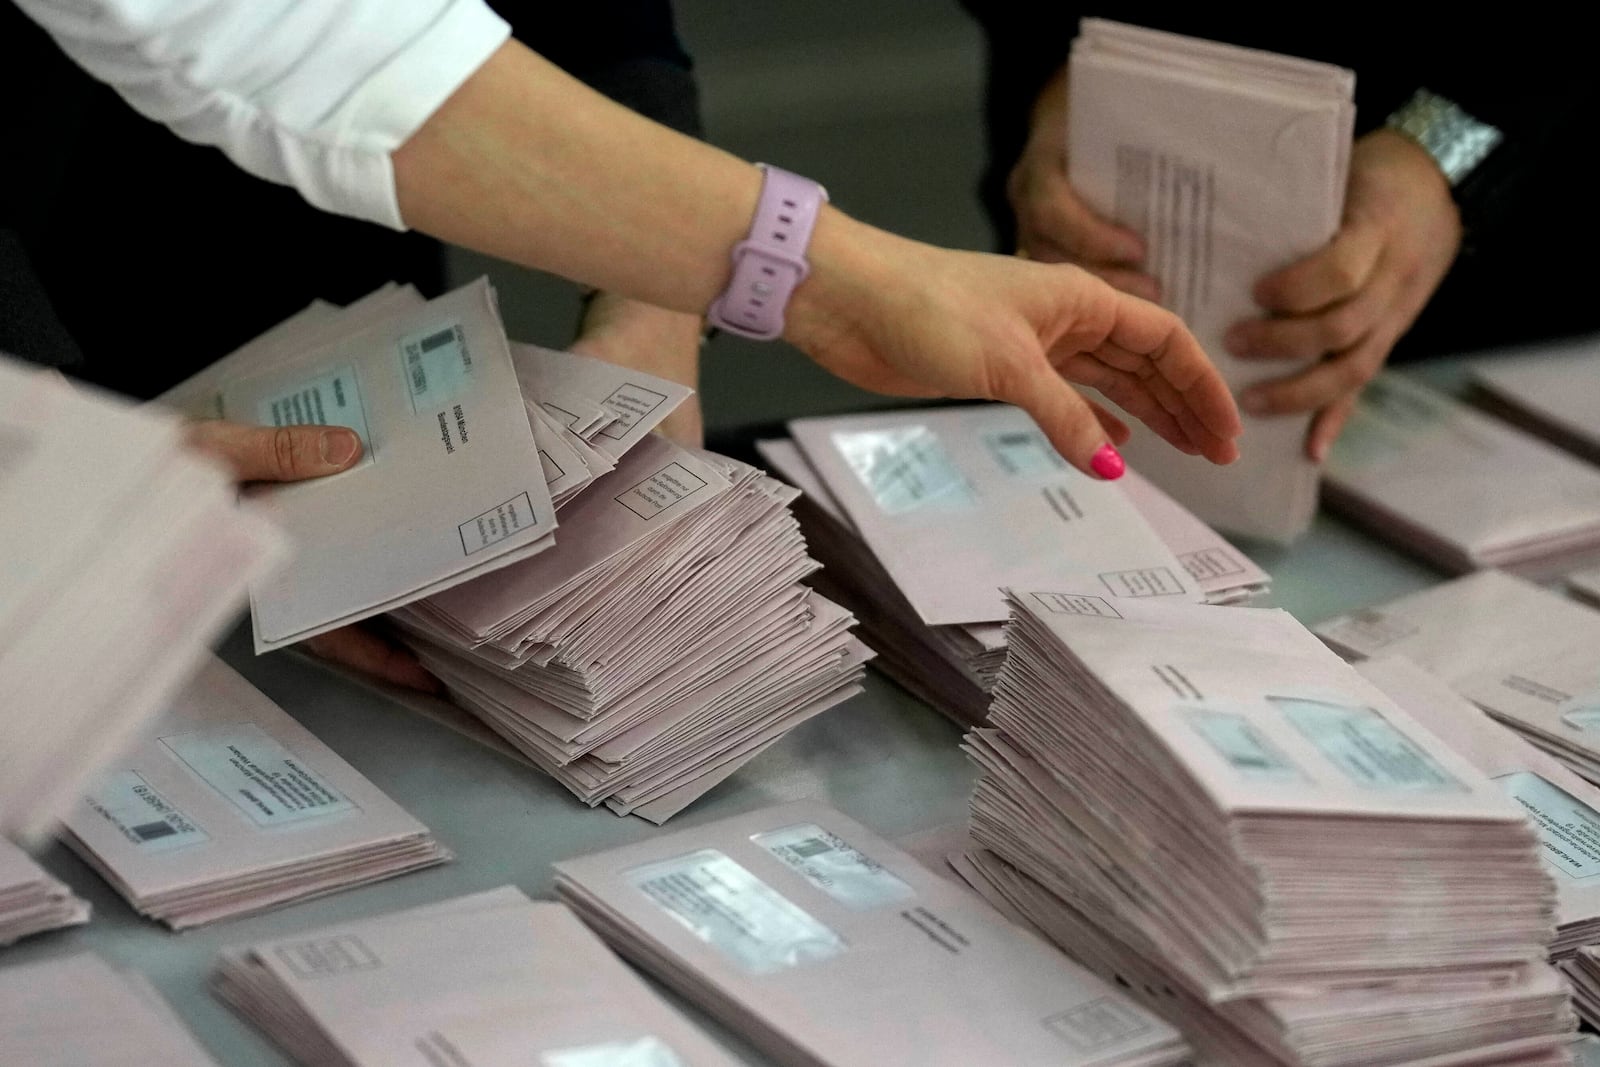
[(152, 831), (811, 846)]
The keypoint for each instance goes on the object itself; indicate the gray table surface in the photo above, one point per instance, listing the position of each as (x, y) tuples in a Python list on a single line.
[(883, 758)]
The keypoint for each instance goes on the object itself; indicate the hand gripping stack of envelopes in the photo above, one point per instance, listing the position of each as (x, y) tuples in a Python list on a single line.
[(921, 516), (1262, 844), (823, 945), (124, 553), (640, 655), (1460, 488), (488, 979)]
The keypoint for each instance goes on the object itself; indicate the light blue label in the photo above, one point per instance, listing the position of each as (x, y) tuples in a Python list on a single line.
[(331, 399), (1582, 711), (1568, 828), (1367, 747), (142, 815), (1024, 453), (642, 1052), (264, 780), (1246, 748), (905, 469), (732, 910), (831, 864), (436, 365)]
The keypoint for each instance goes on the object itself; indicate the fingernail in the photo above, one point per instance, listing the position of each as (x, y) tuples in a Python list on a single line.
[(1107, 462), (1236, 340), (339, 447), (1319, 451), (1253, 403)]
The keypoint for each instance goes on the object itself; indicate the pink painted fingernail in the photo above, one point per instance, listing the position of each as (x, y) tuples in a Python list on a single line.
[(1107, 462)]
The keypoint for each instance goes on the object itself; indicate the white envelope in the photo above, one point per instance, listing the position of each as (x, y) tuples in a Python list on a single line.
[(1552, 389), (1231, 164), (957, 502), (450, 485), (634, 402), (823, 944)]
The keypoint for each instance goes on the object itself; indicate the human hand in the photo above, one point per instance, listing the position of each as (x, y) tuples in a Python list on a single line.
[(293, 454), (665, 343), (1054, 225), (1351, 301), (897, 316)]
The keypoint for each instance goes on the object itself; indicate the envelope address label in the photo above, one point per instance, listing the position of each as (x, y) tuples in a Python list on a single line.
[(1365, 632), (640, 1052), (834, 866), (1568, 828), (264, 780), (904, 469), (670, 485), (1247, 750), (142, 815), (436, 365), (330, 399), (1077, 604), (328, 957), (629, 403), (1582, 711), (724, 905), (1210, 563), (498, 523), (1367, 747)]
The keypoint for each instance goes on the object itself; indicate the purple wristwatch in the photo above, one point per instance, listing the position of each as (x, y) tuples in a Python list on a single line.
[(771, 261)]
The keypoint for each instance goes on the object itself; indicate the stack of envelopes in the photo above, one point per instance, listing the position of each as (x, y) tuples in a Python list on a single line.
[(1551, 389), (822, 944), (81, 1011), (31, 901), (124, 556), (1461, 488), (1527, 656), (1583, 971), (1563, 808), (491, 980), (664, 641), (1230, 163), (1262, 829), (233, 807), (900, 505)]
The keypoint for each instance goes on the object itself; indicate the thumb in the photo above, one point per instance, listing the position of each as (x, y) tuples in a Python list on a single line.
[(277, 453), (1068, 420)]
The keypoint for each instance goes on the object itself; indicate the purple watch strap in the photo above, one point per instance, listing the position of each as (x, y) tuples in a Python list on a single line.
[(771, 261)]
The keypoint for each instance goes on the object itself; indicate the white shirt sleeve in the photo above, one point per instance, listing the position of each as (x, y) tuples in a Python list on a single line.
[(311, 93)]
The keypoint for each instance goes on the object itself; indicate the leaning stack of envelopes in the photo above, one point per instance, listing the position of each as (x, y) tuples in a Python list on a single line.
[(921, 516), (124, 554), (1527, 656), (31, 901), (1248, 822), (1460, 488), (232, 807), (824, 945)]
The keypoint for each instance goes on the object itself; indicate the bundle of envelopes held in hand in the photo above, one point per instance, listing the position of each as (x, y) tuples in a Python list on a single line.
[(921, 516), (642, 651), (124, 555), (1289, 864), (233, 807)]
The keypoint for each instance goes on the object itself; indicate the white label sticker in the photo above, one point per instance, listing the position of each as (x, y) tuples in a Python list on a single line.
[(1246, 748), (729, 908), (1024, 453), (436, 365), (331, 399), (904, 469), (1366, 746), (142, 815), (1568, 828), (1098, 1025), (641, 1052), (833, 866), (263, 779), (328, 957)]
